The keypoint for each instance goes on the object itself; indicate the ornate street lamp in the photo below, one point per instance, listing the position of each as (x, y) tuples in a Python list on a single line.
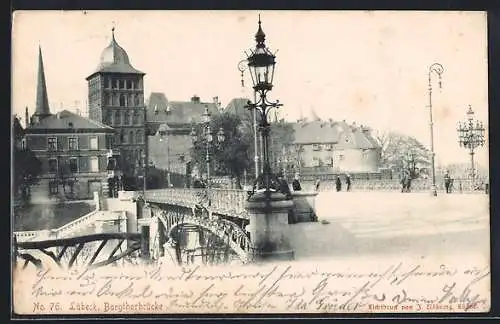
[(242, 67), (209, 138), (261, 64), (438, 69), (163, 131), (470, 136)]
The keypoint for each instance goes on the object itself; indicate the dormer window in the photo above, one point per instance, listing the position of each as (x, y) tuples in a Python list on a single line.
[(52, 143), (316, 147)]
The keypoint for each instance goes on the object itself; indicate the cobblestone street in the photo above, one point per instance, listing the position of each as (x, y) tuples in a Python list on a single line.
[(368, 224)]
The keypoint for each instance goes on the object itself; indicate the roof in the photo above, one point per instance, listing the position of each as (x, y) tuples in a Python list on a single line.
[(63, 121), (114, 59), (334, 132), (237, 106), (176, 111)]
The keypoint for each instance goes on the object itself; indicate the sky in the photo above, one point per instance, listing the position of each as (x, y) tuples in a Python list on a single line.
[(368, 67)]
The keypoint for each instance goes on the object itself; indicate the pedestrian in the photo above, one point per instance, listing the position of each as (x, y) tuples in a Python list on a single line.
[(338, 184), (316, 186), (296, 183), (447, 181), (283, 186), (348, 182)]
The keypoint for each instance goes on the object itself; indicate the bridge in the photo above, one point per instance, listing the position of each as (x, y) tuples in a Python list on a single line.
[(169, 214), (189, 225)]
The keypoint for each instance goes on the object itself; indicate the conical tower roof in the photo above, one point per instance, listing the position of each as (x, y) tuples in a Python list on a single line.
[(42, 100)]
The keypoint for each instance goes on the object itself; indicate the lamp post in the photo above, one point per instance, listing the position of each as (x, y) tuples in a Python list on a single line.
[(438, 69), (209, 139), (261, 64), (163, 131), (243, 66), (471, 135)]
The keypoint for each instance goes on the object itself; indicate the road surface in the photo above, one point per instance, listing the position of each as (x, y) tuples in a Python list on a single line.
[(376, 224)]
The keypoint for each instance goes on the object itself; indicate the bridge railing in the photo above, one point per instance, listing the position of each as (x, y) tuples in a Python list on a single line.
[(227, 200)]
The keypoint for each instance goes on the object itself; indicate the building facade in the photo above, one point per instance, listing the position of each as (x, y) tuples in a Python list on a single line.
[(322, 148), (116, 99), (169, 126), (73, 154)]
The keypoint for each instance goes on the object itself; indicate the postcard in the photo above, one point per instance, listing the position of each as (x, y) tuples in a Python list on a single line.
[(246, 162)]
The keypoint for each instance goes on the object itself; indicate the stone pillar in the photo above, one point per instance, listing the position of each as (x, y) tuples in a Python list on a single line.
[(269, 227)]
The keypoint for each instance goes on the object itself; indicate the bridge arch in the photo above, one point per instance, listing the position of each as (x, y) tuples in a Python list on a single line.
[(171, 217)]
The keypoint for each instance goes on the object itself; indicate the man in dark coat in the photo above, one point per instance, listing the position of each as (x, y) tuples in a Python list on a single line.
[(338, 184), (283, 186), (447, 181), (348, 182), (296, 184)]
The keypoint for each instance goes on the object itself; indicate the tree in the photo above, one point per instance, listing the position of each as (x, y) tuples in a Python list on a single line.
[(26, 166), (401, 152), (281, 137), (229, 157)]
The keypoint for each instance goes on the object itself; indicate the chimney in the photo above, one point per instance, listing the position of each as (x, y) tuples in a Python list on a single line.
[(195, 99)]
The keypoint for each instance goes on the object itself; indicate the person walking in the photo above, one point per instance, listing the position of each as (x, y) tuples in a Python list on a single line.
[(296, 183), (348, 182), (447, 181), (338, 184)]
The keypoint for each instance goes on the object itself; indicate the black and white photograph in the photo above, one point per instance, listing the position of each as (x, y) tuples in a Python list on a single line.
[(244, 162)]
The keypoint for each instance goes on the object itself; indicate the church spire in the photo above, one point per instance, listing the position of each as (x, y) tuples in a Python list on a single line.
[(42, 101)]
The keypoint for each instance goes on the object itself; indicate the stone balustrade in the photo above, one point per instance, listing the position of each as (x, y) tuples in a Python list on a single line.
[(417, 185), (69, 229)]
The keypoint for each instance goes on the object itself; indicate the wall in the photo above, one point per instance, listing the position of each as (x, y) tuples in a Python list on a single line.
[(128, 206), (345, 160)]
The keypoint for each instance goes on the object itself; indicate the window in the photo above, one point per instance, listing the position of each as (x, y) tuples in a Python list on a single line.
[(93, 143), (135, 118), (53, 187), (328, 147), (73, 143), (129, 84), (131, 137), (52, 143), (316, 161), (122, 101), (138, 137), (94, 164), (316, 147), (73, 165), (53, 165), (126, 118), (329, 161), (110, 141), (111, 164), (122, 84), (123, 138), (137, 100), (117, 139), (118, 118)]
